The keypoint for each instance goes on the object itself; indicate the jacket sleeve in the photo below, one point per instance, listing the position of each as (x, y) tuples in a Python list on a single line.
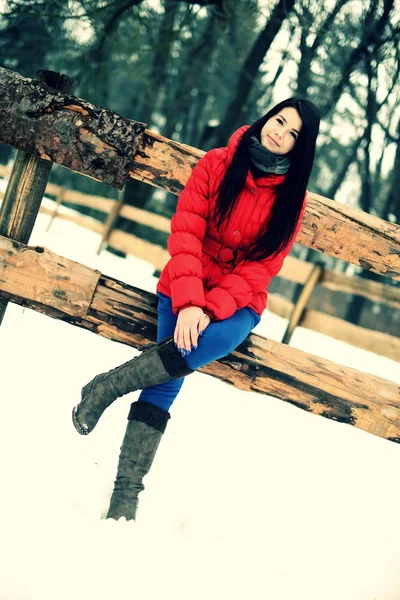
[(248, 278), (188, 228)]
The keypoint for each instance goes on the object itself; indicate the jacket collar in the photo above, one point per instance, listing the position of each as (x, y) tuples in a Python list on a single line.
[(270, 180)]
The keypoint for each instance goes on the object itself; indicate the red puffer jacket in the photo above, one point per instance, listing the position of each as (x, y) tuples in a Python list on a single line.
[(208, 266)]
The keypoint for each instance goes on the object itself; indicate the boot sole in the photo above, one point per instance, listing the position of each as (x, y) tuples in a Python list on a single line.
[(82, 429)]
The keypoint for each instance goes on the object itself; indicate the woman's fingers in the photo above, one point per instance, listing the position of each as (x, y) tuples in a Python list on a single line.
[(186, 337), (182, 337), (187, 342), (194, 334), (188, 328)]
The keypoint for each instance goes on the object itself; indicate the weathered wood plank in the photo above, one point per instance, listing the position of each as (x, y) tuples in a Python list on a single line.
[(77, 218), (380, 343), (67, 130), (146, 218), (35, 273), (126, 314), (388, 295), (351, 235), (164, 163)]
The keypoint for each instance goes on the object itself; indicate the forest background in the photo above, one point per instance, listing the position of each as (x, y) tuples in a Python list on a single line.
[(195, 71)]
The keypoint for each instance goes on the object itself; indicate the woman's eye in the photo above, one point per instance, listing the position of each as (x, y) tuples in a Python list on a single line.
[(280, 121), (294, 135)]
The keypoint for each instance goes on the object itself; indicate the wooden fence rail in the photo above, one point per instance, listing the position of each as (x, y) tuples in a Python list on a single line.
[(64, 289)]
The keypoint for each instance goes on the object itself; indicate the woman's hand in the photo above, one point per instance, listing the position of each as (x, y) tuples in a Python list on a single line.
[(191, 321)]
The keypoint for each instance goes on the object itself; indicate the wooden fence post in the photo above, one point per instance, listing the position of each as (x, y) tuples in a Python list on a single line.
[(28, 181), (110, 222), (59, 200), (302, 301)]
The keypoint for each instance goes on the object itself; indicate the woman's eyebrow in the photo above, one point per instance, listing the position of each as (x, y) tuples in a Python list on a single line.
[(286, 122)]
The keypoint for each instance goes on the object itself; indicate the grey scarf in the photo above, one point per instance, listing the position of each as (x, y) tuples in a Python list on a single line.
[(265, 160)]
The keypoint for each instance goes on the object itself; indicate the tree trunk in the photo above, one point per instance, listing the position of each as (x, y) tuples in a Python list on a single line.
[(150, 92), (196, 64), (135, 194), (350, 157), (372, 36), (392, 204), (366, 184), (309, 52), (254, 60)]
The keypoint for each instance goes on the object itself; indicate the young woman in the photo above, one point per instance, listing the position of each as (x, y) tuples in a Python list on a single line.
[(236, 221)]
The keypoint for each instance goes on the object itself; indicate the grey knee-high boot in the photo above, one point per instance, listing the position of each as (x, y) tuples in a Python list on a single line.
[(146, 425), (157, 364)]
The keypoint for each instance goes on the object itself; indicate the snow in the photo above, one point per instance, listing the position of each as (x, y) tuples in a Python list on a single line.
[(248, 497)]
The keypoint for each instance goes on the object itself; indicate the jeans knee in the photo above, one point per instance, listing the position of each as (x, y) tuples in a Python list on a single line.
[(226, 343)]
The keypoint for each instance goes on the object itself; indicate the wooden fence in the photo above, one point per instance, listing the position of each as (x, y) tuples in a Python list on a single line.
[(47, 125)]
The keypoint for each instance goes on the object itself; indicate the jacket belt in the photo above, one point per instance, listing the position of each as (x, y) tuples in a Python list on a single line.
[(222, 253)]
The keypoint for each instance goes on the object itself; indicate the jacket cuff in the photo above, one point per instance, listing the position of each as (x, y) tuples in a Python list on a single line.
[(187, 291), (189, 305), (219, 304)]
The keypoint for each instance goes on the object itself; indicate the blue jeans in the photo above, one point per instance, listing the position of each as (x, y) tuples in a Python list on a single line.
[(219, 339)]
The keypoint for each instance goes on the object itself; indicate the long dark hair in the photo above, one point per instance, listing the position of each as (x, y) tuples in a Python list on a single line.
[(286, 209)]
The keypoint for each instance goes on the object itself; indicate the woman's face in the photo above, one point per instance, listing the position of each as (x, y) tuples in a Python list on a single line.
[(281, 131)]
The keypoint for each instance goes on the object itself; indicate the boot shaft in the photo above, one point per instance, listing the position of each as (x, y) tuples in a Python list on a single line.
[(146, 425)]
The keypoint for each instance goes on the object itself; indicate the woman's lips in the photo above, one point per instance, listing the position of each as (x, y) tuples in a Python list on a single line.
[(273, 141)]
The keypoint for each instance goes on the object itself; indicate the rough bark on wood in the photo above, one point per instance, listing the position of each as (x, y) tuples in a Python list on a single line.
[(41, 276), (127, 314), (164, 163), (28, 180), (351, 235), (67, 130)]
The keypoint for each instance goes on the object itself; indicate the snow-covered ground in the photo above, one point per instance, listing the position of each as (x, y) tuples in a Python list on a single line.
[(249, 497)]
